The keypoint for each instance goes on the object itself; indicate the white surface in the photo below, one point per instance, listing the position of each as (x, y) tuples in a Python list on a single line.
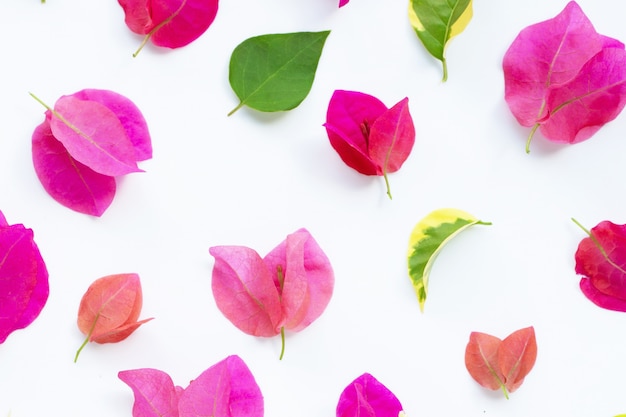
[(252, 178)]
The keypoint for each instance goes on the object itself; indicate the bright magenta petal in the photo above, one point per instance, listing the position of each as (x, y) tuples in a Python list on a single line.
[(3, 220), (186, 20), (343, 2), (349, 118), (69, 182), (129, 116), (599, 298), (604, 268), (593, 98), (170, 23), (23, 279), (94, 136), (367, 397), (226, 389), (392, 137), (154, 392), (244, 290), (545, 55), (308, 279)]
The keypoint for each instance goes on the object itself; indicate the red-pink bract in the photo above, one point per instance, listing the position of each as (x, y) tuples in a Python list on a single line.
[(392, 137), (501, 364), (601, 260), (289, 288), (69, 182), (556, 69), (90, 137), (109, 310), (367, 397), (23, 278), (367, 136), (169, 23), (226, 389), (349, 117), (154, 392), (593, 98)]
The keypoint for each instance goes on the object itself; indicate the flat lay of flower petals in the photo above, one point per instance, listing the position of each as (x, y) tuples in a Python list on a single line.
[(211, 225)]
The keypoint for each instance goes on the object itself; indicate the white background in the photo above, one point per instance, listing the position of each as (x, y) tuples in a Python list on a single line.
[(252, 178)]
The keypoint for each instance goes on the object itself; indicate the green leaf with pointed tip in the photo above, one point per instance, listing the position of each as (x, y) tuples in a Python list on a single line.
[(438, 21), (275, 72), (428, 238)]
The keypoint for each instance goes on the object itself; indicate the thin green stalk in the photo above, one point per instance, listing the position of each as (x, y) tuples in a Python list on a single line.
[(387, 184), (240, 105), (445, 70), (530, 137), (93, 326), (282, 339)]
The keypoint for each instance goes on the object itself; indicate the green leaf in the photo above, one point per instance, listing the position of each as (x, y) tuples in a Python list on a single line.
[(438, 21), (275, 72), (428, 238)]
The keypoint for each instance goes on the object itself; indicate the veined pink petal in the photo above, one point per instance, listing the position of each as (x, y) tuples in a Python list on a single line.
[(391, 138), (343, 2), (69, 182), (226, 389), (3, 220), (367, 397), (170, 23), (604, 269), (154, 392), (129, 116), (186, 20), (349, 118), (593, 98), (137, 15), (94, 136), (244, 290), (308, 279), (23, 279), (545, 55)]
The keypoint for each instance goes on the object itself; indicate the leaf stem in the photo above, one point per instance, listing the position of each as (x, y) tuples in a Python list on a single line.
[(142, 44), (282, 339), (387, 184), (445, 70), (530, 137), (93, 326), (506, 394), (240, 105), (40, 102)]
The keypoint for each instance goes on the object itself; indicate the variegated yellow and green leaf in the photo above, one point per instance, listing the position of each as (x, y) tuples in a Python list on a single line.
[(438, 21), (428, 238)]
